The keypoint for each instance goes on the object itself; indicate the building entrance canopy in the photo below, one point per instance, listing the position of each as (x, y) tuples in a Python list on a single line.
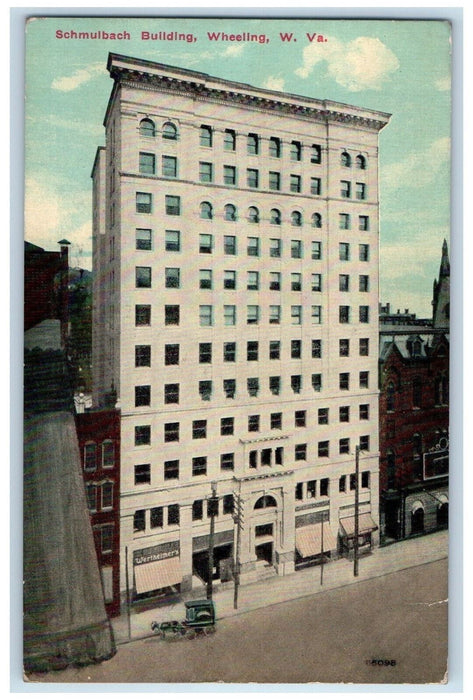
[(157, 574), (309, 539), (366, 524)]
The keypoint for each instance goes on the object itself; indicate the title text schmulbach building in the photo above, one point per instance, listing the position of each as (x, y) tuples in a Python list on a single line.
[(236, 295)]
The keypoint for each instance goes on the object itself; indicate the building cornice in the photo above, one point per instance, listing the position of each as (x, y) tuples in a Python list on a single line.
[(147, 75)]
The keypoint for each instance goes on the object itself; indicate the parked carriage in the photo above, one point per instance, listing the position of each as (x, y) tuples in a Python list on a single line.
[(200, 620)]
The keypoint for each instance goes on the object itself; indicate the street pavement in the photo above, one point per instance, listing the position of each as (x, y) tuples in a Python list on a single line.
[(278, 589)]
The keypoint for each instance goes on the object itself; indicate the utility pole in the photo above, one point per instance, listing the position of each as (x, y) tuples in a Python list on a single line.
[(357, 509), (237, 517), (212, 507), (322, 548)]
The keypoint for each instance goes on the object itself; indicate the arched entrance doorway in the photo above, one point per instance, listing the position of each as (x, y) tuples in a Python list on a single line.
[(417, 518), (264, 529)]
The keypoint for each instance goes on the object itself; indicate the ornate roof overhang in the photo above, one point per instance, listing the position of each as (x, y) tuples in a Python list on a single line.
[(203, 87)]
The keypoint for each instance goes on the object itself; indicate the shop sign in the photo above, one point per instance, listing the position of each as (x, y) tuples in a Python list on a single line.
[(160, 551)]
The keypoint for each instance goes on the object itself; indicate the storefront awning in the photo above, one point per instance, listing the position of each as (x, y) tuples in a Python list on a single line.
[(157, 574), (365, 524), (309, 539)]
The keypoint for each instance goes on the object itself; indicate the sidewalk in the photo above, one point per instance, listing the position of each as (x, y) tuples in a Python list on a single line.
[(279, 589)]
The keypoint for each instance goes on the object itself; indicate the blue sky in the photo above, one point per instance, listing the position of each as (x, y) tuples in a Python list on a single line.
[(400, 67)]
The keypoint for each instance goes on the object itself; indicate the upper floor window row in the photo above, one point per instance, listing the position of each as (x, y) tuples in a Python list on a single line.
[(144, 204), (169, 130), (253, 215)]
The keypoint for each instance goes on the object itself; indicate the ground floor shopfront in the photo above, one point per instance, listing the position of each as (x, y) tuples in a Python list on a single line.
[(414, 510), (268, 532)]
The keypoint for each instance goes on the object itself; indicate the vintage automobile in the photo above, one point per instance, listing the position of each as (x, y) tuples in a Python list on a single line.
[(200, 620)]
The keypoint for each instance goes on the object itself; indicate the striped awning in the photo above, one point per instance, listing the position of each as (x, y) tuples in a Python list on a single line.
[(365, 524), (157, 574), (309, 539)]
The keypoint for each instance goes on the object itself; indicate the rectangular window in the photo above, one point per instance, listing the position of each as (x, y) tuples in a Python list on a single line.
[(171, 354), (172, 205), (364, 380), (142, 435), (139, 521), (226, 426), (142, 355), (300, 419), (275, 247), (142, 395), (227, 461), (206, 136), (197, 510), (316, 154), (171, 432), (205, 353), (296, 151), (365, 480), (229, 175), (275, 385), (323, 449), (143, 203), (296, 349), (344, 347), (169, 165), (90, 457), (296, 383), (344, 380), (205, 389), (279, 455), (173, 514), (205, 172), (205, 315), (323, 416), (300, 452), (296, 249), (311, 489), (171, 469), (360, 190), (172, 277), (229, 245), (365, 443), (266, 455), (252, 144), (252, 246), (205, 279), (229, 314), (253, 386), (364, 411), (295, 183), (172, 241), (316, 348), (143, 239), (299, 492), (171, 315), (296, 315), (344, 314), (229, 140), (364, 346), (364, 223), (199, 466), (345, 189), (199, 429), (142, 473), (344, 446), (274, 349), (316, 250), (252, 350), (274, 147), (229, 388), (315, 185), (364, 314), (342, 484), (344, 283), (275, 281), (171, 393), (252, 177), (344, 414), (317, 382), (275, 314), (229, 352), (276, 421), (296, 281), (252, 314), (253, 280), (344, 251), (344, 221), (205, 243), (156, 517), (316, 314), (274, 180), (147, 163), (253, 424), (143, 277), (324, 486), (316, 283), (364, 252)]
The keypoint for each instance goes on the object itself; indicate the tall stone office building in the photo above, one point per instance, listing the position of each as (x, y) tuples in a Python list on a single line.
[(236, 327)]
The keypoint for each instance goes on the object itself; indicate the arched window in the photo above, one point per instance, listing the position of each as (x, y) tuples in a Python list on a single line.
[(147, 128), (390, 394), (90, 456), (345, 160), (265, 502), (296, 218), (108, 454), (361, 162), (169, 131), (253, 215), (275, 216), (317, 220), (230, 212), (206, 210)]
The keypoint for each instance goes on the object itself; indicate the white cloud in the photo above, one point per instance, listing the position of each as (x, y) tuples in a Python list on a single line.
[(235, 50), (443, 84), (362, 64), (273, 83), (78, 78), (419, 168)]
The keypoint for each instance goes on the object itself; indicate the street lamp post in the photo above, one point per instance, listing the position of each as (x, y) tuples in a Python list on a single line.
[(212, 511)]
